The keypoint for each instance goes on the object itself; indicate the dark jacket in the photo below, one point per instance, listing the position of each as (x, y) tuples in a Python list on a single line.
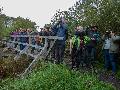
[(95, 38)]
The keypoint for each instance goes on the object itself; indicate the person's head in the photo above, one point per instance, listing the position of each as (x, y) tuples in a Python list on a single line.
[(63, 20), (79, 28), (94, 28), (24, 30), (47, 28), (41, 29), (112, 32), (20, 30), (50, 29), (107, 33), (16, 30), (29, 30)]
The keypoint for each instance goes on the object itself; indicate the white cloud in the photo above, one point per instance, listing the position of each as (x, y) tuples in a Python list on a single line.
[(40, 11)]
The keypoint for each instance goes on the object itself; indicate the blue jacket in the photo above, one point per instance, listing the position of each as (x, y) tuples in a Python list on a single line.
[(54, 29), (62, 31)]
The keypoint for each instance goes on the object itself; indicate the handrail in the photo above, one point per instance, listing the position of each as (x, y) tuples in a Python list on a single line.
[(33, 36)]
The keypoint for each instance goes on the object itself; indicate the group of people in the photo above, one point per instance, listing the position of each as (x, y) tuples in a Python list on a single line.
[(111, 48), (83, 47), (82, 44), (59, 29), (34, 40), (20, 39)]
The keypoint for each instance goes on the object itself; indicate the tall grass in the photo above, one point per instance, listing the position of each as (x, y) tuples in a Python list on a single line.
[(55, 77), (11, 68)]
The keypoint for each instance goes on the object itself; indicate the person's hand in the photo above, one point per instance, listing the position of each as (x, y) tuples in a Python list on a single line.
[(112, 34), (92, 38)]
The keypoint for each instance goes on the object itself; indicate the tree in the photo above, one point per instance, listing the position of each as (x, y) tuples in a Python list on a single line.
[(9, 24), (20, 22), (103, 13)]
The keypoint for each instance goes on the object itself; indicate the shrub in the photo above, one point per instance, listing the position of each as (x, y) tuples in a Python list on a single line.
[(11, 68), (55, 77)]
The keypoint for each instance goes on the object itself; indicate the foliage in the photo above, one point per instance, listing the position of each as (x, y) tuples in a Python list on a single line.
[(104, 13), (20, 22), (8, 24), (12, 68), (55, 77)]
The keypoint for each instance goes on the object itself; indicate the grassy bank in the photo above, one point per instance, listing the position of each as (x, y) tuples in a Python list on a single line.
[(55, 77), (12, 68)]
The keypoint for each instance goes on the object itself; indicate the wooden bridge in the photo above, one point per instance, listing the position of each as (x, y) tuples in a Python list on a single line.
[(40, 52)]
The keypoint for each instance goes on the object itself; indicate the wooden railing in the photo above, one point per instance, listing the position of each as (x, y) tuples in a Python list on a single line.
[(41, 51)]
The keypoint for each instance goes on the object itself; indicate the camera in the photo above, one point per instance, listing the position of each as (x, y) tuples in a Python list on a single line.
[(107, 33)]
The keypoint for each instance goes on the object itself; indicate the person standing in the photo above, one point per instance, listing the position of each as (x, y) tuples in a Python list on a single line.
[(80, 51), (54, 30), (106, 47), (60, 44), (114, 48), (74, 45), (95, 38)]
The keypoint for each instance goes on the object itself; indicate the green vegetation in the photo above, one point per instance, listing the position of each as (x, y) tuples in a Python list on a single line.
[(103, 13), (12, 68), (55, 77), (8, 24)]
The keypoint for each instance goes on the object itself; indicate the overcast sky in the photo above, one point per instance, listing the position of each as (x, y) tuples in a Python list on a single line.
[(39, 11)]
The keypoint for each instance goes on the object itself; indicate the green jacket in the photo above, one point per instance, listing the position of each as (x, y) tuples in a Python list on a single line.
[(76, 41), (86, 40)]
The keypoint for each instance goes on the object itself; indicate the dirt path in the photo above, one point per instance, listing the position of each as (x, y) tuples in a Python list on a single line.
[(102, 75), (110, 78)]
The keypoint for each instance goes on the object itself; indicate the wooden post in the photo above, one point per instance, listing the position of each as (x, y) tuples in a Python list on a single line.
[(50, 48), (29, 49), (13, 44), (37, 58), (46, 45), (70, 46)]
